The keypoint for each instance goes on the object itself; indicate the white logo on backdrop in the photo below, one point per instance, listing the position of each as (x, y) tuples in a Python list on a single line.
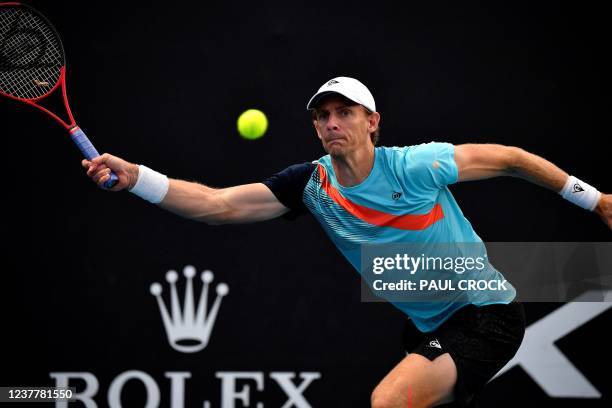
[(542, 359), (189, 329)]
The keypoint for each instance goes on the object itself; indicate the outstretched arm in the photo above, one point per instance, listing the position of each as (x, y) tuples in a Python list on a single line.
[(232, 205), (481, 161), (239, 204)]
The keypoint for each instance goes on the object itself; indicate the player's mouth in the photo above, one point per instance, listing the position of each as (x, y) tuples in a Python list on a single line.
[(334, 138)]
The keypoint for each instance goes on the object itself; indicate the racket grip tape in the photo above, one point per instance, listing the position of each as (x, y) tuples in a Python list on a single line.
[(90, 152)]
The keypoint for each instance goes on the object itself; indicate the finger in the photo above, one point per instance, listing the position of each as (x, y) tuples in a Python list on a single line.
[(99, 165), (95, 168), (105, 172), (101, 159), (100, 175), (92, 170), (103, 180), (86, 163), (96, 177)]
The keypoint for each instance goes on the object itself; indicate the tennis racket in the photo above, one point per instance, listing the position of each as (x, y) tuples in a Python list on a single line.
[(33, 66)]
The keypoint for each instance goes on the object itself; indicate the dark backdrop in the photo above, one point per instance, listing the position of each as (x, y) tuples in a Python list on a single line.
[(163, 85)]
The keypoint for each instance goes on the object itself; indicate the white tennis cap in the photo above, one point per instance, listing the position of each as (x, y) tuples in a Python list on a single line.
[(349, 87)]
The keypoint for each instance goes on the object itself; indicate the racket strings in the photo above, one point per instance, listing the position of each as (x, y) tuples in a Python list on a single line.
[(31, 55)]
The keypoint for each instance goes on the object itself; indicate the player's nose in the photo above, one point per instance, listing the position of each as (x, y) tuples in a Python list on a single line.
[(332, 122)]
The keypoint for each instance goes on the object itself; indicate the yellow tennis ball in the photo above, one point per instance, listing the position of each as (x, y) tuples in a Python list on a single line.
[(252, 124)]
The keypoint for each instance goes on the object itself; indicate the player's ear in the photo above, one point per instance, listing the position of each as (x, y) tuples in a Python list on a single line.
[(373, 121)]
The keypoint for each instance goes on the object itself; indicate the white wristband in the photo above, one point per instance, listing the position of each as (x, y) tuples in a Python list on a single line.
[(151, 185), (580, 193)]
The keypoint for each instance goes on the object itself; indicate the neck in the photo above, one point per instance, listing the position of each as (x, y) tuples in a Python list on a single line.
[(355, 167)]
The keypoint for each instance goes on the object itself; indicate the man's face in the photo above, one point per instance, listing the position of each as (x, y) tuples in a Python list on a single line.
[(343, 126)]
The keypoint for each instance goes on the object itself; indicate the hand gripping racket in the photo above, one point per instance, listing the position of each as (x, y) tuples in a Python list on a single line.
[(33, 66)]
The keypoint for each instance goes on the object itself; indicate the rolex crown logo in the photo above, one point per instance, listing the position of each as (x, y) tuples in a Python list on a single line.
[(189, 329)]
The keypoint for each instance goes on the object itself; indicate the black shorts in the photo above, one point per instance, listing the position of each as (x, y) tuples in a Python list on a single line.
[(480, 339)]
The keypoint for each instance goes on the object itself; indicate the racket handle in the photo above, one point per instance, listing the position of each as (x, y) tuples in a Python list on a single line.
[(90, 152)]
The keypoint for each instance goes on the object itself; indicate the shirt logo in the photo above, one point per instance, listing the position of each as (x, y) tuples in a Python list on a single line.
[(396, 195)]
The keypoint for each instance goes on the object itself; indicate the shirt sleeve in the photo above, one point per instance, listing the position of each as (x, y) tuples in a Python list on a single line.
[(433, 164), (288, 187)]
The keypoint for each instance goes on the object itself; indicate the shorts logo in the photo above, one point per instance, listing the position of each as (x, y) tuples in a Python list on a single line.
[(396, 195), (435, 343)]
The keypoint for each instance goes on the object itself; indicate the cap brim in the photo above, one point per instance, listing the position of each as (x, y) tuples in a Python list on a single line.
[(317, 97)]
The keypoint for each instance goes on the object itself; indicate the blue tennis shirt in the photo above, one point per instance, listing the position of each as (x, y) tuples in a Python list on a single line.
[(404, 199)]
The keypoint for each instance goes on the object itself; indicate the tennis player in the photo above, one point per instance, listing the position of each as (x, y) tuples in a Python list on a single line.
[(361, 193)]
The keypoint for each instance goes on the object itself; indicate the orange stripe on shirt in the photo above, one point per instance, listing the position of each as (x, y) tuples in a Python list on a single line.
[(405, 222)]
